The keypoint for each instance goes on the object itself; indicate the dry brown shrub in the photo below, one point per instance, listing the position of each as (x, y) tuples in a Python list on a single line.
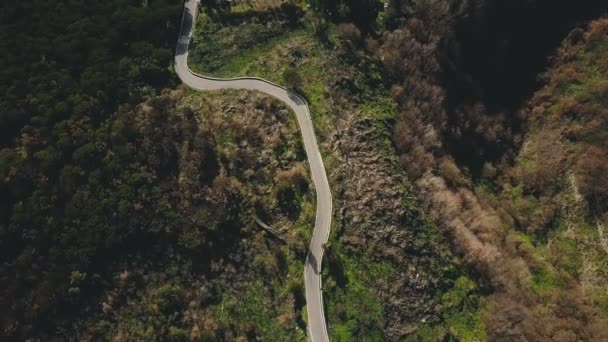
[(285, 319), (451, 173), (295, 175), (599, 92), (545, 177), (564, 74), (568, 108), (350, 32), (195, 332), (371, 44), (597, 29), (592, 177)]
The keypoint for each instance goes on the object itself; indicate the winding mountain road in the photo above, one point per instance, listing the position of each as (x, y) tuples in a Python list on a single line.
[(317, 329)]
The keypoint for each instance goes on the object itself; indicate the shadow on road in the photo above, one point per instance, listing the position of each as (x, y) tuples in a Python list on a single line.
[(300, 98), (296, 98), (184, 33), (312, 260)]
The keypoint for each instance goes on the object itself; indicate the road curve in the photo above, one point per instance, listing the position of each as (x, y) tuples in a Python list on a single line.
[(317, 329)]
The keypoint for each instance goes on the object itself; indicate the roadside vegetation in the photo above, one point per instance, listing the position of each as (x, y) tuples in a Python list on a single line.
[(366, 292)]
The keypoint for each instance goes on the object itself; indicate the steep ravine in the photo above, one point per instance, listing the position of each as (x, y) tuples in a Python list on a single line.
[(490, 65)]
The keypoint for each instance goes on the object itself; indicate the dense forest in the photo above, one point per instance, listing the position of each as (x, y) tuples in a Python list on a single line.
[(70, 58), (114, 193), (68, 67)]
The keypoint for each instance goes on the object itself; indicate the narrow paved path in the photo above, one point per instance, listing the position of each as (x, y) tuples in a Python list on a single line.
[(317, 330)]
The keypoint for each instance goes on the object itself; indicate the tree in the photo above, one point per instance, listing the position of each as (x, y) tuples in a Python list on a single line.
[(592, 173), (320, 26), (292, 79), (363, 12), (350, 32)]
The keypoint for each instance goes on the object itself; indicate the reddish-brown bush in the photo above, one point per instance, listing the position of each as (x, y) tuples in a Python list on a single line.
[(592, 172), (350, 32)]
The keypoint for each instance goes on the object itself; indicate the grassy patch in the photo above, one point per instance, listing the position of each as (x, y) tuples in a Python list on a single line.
[(242, 6), (464, 308), (246, 47), (545, 280), (565, 255), (256, 305), (222, 49), (354, 311)]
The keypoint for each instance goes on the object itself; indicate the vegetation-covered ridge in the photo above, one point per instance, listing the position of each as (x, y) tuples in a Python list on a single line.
[(558, 189), (456, 134), (378, 228)]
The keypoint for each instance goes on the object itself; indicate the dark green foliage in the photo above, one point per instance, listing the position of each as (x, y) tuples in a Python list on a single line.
[(107, 196), (362, 13), (73, 173), (65, 59), (292, 78)]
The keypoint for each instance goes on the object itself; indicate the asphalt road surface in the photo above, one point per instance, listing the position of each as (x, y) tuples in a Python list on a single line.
[(317, 329)]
